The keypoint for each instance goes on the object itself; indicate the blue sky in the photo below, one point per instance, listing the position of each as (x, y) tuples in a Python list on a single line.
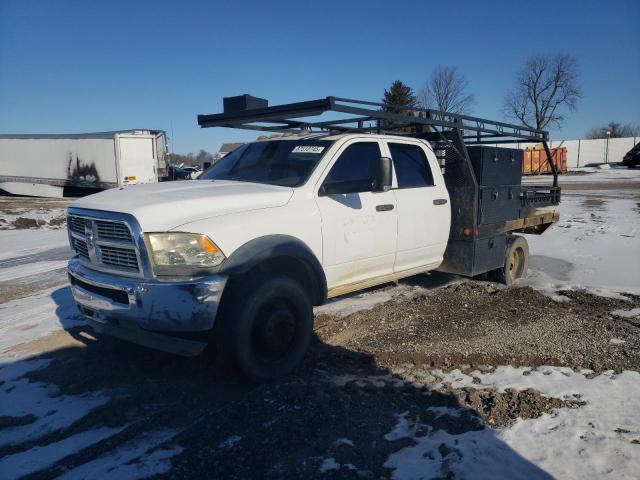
[(77, 66)]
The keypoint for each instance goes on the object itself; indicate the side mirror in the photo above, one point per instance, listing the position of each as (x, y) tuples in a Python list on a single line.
[(383, 175)]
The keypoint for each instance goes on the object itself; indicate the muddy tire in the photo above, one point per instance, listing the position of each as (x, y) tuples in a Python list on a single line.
[(266, 328), (516, 263)]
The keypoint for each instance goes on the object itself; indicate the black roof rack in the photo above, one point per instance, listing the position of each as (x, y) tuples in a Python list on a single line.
[(362, 117)]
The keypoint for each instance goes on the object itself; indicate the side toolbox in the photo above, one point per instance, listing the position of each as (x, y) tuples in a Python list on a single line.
[(496, 166), (474, 256), (499, 203)]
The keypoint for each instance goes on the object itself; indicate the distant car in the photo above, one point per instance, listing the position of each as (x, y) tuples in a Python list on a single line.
[(632, 157), (175, 172)]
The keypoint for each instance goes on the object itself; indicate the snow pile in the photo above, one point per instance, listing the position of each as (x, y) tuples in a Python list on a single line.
[(348, 304), (633, 313), (597, 440), (595, 245), (344, 306), (40, 218), (473, 455)]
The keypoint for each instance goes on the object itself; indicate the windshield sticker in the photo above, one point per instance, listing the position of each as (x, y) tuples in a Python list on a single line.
[(307, 149)]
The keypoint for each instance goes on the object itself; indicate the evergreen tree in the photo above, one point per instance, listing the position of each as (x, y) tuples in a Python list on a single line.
[(398, 95), (401, 95)]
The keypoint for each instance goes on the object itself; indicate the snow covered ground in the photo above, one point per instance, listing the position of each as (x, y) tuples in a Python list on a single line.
[(42, 217), (597, 440), (596, 245), (45, 412), (19, 243), (612, 174)]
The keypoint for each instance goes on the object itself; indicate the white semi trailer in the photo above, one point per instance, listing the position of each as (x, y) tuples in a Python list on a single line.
[(50, 165)]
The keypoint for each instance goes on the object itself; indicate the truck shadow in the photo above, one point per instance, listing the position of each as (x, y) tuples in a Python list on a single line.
[(339, 415)]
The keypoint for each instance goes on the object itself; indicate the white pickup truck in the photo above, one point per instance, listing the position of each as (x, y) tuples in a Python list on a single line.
[(242, 254)]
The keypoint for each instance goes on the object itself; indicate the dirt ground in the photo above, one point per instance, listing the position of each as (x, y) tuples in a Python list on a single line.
[(286, 429), (474, 323)]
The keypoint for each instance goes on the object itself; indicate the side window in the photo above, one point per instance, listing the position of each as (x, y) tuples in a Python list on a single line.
[(356, 165), (412, 166)]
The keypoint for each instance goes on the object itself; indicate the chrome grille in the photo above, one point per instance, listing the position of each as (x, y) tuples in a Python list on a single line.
[(77, 224), (80, 246), (119, 257), (113, 231), (105, 244)]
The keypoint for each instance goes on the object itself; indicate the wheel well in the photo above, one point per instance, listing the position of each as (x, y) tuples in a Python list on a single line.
[(294, 268)]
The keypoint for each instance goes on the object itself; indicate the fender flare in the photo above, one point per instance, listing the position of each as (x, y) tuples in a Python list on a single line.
[(270, 247)]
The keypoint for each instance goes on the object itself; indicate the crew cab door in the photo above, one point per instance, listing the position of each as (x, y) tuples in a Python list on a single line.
[(424, 213), (359, 227)]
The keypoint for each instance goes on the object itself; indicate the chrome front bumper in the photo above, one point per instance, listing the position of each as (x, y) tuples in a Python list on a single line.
[(149, 312)]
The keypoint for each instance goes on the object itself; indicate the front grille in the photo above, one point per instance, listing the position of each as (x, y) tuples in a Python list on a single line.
[(104, 243), (119, 257), (113, 231), (77, 224), (81, 247)]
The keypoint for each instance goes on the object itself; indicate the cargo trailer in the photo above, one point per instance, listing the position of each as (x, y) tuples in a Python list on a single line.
[(53, 165)]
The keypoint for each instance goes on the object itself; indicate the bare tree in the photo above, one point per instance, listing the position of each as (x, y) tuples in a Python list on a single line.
[(616, 130), (446, 90), (545, 88)]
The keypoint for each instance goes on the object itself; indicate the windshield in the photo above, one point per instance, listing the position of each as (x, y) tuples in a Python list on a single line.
[(287, 163)]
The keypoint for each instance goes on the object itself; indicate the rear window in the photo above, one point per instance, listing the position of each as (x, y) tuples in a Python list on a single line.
[(287, 163), (411, 165)]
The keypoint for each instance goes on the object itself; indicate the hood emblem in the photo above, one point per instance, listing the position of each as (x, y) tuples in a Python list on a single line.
[(89, 235)]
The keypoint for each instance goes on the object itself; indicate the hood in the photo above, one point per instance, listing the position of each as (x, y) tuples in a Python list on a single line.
[(167, 205)]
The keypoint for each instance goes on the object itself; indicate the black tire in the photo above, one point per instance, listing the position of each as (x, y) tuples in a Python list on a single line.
[(266, 327), (516, 262)]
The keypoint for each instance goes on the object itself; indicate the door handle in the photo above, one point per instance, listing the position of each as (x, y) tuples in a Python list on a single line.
[(440, 201), (384, 208)]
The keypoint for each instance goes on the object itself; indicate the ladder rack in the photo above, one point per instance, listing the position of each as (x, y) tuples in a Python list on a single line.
[(360, 116)]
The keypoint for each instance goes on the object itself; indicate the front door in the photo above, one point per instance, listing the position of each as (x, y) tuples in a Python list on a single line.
[(359, 227)]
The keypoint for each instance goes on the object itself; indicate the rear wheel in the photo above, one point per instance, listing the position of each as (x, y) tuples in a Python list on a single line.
[(516, 261), (267, 328)]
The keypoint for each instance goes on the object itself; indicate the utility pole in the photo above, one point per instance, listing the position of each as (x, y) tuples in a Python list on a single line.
[(606, 154)]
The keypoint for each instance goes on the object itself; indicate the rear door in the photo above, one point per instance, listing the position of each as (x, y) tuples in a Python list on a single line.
[(424, 214), (137, 159), (358, 228)]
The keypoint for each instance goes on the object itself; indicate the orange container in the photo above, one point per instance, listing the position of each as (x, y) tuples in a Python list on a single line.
[(535, 160)]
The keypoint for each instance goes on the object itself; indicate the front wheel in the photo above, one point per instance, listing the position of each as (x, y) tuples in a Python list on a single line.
[(516, 261), (267, 329)]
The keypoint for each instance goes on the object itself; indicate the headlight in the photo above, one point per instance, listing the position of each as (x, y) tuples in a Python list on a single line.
[(184, 250)]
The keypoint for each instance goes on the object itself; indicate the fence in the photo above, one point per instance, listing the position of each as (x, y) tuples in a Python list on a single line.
[(581, 153)]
